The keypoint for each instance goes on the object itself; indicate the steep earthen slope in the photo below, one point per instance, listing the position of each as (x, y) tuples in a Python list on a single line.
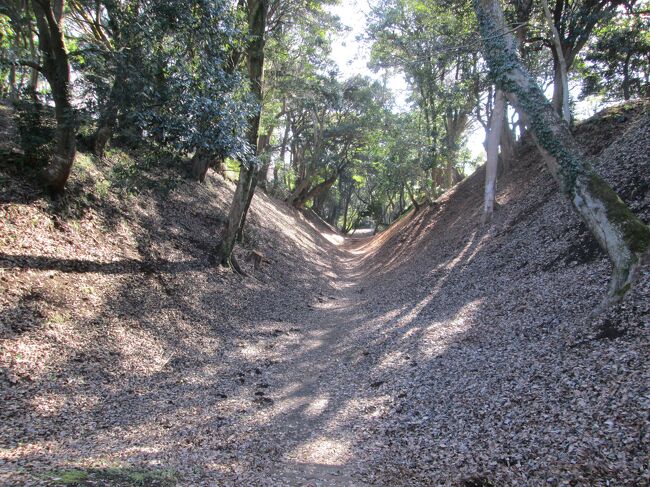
[(497, 371), (115, 325), (440, 352)]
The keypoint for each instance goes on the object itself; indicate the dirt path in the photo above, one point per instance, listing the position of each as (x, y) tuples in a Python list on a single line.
[(314, 420)]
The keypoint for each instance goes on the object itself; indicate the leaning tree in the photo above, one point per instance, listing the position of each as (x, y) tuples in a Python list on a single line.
[(624, 237)]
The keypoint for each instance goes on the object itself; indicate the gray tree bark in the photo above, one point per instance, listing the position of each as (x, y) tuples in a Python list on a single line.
[(620, 233), (492, 160), (562, 67)]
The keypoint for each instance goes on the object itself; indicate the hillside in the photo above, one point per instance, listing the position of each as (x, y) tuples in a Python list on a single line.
[(440, 352)]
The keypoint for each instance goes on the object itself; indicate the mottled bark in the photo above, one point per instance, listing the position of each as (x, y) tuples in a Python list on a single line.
[(620, 233)]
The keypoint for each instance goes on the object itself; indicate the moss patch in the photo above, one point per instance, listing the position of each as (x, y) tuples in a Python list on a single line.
[(635, 232), (116, 476)]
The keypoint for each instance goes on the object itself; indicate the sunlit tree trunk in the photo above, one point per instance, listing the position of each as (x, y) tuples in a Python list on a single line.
[(492, 149), (506, 143), (620, 233)]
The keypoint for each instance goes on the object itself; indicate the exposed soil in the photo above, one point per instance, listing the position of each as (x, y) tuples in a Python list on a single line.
[(439, 352)]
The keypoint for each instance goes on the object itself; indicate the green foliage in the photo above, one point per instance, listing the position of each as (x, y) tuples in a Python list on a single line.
[(170, 74), (617, 60), (434, 44)]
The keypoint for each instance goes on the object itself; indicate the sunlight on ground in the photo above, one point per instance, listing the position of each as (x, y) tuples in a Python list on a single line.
[(440, 335), (317, 406), (334, 238), (325, 451)]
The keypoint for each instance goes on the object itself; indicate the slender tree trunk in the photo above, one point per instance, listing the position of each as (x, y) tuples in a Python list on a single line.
[(34, 74), (561, 86), (263, 143), (620, 233), (56, 69), (492, 149), (415, 203), (245, 186), (626, 77), (257, 12), (507, 142), (283, 151), (449, 172), (249, 200)]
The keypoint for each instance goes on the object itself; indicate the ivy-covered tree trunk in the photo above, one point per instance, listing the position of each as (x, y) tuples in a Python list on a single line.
[(56, 69), (620, 233), (257, 13)]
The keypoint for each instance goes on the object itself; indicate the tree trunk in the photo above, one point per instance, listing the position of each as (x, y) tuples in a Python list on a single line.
[(620, 233), (33, 79), (108, 118), (507, 142), (200, 164), (283, 151), (492, 149), (236, 215), (626, 76), (257, 13), (249, 200), (561, 80), (305, 195), (416, 205), (263, 143), (56, 69), (449, 173)]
